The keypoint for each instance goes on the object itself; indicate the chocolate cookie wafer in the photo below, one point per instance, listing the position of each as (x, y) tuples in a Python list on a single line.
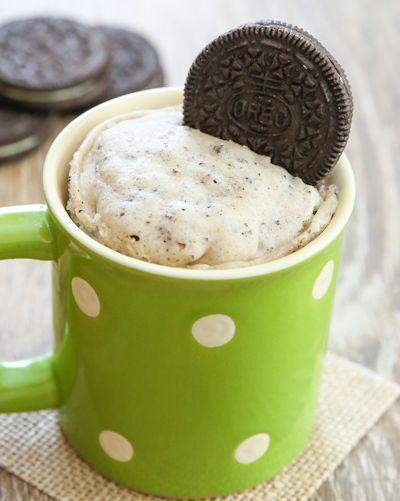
[(52, 63), (135, 64), (21, 131), (274, 88)]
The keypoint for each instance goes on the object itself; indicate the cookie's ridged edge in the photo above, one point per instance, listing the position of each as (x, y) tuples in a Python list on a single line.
[(317, 53)]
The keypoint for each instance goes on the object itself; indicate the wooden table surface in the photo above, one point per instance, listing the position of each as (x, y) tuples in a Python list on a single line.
[(365, 38)]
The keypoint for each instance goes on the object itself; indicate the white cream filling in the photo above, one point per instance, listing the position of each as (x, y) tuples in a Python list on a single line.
[(18, 147), (47, 96)]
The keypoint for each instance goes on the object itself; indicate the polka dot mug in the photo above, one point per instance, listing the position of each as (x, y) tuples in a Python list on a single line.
[(174, 382)]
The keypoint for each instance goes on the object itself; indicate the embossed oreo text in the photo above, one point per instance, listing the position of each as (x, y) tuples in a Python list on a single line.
[(260, 114)]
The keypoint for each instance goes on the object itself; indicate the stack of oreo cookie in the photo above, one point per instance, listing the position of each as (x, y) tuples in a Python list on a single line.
[(52, 65)]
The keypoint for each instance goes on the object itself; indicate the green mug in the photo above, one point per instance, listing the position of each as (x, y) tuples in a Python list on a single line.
[(174, 382)]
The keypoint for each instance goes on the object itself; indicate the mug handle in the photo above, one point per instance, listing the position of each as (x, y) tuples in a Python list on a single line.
[(27, 385)]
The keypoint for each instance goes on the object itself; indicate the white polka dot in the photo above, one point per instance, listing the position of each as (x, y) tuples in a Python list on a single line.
[(321, 285), (85, 297), (252, 448), (213, 330), (116, 446)]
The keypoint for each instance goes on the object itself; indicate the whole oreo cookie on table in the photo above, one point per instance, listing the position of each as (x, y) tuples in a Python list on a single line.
[(52, 63), (135, 64), (274, 88), (21, 131)]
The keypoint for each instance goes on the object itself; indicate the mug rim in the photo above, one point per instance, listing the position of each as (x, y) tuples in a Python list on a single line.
[(52, 165)]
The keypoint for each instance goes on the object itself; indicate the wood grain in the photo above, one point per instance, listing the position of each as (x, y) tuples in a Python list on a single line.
[(364, 37)]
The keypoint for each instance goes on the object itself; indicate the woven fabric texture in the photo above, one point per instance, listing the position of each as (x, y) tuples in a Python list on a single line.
[(352, 400)]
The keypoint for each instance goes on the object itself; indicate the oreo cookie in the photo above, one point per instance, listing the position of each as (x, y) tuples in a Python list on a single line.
[(52, 63), (274, 88), (135, 64), (21, 131)]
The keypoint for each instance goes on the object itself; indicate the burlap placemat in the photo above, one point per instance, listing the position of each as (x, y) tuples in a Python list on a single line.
[(352, 400)]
